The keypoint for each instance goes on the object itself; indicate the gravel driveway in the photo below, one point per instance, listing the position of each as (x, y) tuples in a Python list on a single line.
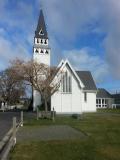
[(45, 133)]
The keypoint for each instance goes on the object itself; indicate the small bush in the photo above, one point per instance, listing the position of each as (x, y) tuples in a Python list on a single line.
[(75, 116), (41, 107)]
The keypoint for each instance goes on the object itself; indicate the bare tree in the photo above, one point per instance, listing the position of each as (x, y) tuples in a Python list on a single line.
[(11, 88), (40, 76)]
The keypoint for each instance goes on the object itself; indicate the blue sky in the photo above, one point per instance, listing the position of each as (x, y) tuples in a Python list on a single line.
[(85, 32)]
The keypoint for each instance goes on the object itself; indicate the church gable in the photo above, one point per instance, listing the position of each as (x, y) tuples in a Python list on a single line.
[(83, 78), (66, 69)]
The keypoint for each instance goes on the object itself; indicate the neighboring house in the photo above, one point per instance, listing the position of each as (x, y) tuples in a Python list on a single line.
[(116, 98), (77, 91), (104, 99)]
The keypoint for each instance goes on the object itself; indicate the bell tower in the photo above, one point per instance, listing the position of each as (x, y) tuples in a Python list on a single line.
[(41, 52), (41, 47)]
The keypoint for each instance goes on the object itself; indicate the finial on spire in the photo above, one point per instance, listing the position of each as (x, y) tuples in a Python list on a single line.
[(41, 5)]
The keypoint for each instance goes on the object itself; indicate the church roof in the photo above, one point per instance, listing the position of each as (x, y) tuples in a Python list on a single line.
[(87, 79), (41, 31), (102, 93)]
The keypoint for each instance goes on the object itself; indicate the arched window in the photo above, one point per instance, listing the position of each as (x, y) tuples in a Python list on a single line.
[(45, 41), (63, 81), (41, 41), (37, 51), (70, 84), (46, 52), (85, 96), (41, 51), (66, 83)]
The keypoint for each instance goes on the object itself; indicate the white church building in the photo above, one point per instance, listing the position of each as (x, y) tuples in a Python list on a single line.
[(77, 91)]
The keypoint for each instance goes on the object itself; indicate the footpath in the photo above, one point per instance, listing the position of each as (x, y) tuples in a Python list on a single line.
[(46, 133)]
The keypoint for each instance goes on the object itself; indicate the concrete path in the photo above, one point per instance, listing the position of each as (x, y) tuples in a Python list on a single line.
[(45, 133)]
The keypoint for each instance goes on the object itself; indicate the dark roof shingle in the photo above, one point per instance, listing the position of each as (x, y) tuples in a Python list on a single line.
[(102, 93), (87, 79), (117, 95)]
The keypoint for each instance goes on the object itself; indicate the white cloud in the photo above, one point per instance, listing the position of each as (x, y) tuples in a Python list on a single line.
[(111, 25), (68, 19), (85, 59), (16, 31), (9, 51), (18, 15)]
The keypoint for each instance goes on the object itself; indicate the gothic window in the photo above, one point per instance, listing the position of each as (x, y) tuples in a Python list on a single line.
[(63, 81), (41, 51), (70, 84), (37, 51), (46, 52), (66, 83), (85, 96)]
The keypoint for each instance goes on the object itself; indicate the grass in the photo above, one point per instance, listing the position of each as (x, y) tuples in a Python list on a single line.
[(108, 110), (102, 143)]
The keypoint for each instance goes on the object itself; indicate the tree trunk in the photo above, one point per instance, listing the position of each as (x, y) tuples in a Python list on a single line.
[(46, 108)]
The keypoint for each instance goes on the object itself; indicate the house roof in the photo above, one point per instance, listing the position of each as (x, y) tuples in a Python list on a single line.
[(102, 93), (41, 27), (117, 95), (87, 79)]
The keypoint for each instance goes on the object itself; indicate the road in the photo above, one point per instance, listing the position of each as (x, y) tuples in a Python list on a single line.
[(6, 121)]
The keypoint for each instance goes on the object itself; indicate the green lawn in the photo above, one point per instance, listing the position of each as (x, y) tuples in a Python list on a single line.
[(102, 142)]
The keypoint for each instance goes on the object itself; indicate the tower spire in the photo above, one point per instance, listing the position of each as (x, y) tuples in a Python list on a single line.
[(41, 31), (41, 51)]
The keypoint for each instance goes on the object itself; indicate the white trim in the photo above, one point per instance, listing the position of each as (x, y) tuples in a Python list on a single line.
[(90, 91), (63, 65)]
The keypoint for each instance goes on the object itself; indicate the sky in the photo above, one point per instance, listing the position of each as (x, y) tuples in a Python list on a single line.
[(86, 32)]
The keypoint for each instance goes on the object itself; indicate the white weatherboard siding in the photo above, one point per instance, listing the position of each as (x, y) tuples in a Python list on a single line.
[(68, 102), (76, 97), (90, 104), (42, 58)]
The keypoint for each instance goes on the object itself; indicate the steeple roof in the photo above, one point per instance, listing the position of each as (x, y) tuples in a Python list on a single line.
[(41, 31)]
